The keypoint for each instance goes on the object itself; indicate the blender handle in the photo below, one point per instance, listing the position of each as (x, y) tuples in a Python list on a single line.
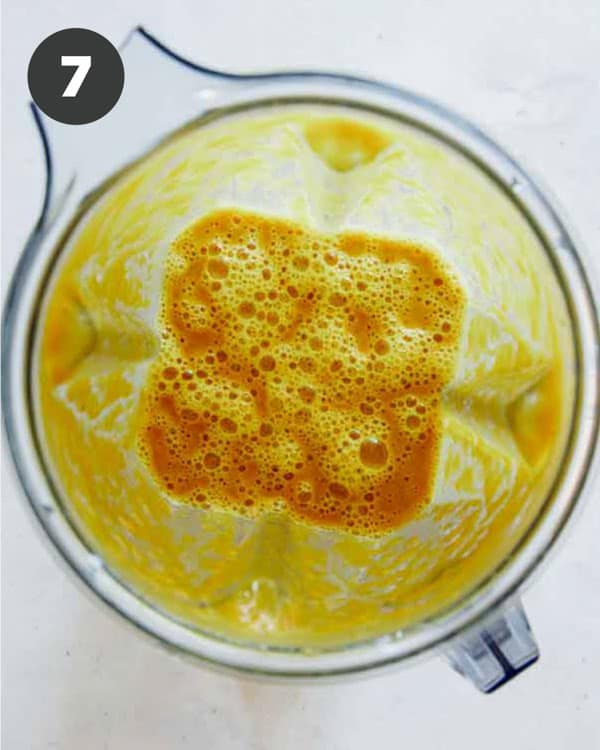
[(493, 652)]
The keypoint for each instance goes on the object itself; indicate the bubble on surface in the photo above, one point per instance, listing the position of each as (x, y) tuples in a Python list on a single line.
[(373, 452)]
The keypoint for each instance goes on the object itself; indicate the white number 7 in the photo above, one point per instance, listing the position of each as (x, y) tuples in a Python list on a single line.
[(83, 63)]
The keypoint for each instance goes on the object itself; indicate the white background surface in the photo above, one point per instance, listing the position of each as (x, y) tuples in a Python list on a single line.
[(75, 677)]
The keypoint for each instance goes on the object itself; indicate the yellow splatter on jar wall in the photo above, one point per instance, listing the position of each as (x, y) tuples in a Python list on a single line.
[(303, 375)]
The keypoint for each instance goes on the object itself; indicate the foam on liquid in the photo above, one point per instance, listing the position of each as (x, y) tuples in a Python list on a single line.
[(300, 371)]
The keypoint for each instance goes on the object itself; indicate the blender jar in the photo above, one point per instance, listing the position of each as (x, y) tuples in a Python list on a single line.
[(373, 601)]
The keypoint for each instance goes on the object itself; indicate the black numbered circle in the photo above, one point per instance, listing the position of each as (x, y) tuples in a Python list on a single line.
[(76, 76)]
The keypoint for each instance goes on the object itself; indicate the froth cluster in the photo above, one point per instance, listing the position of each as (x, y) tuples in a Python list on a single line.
[(300, 372)]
